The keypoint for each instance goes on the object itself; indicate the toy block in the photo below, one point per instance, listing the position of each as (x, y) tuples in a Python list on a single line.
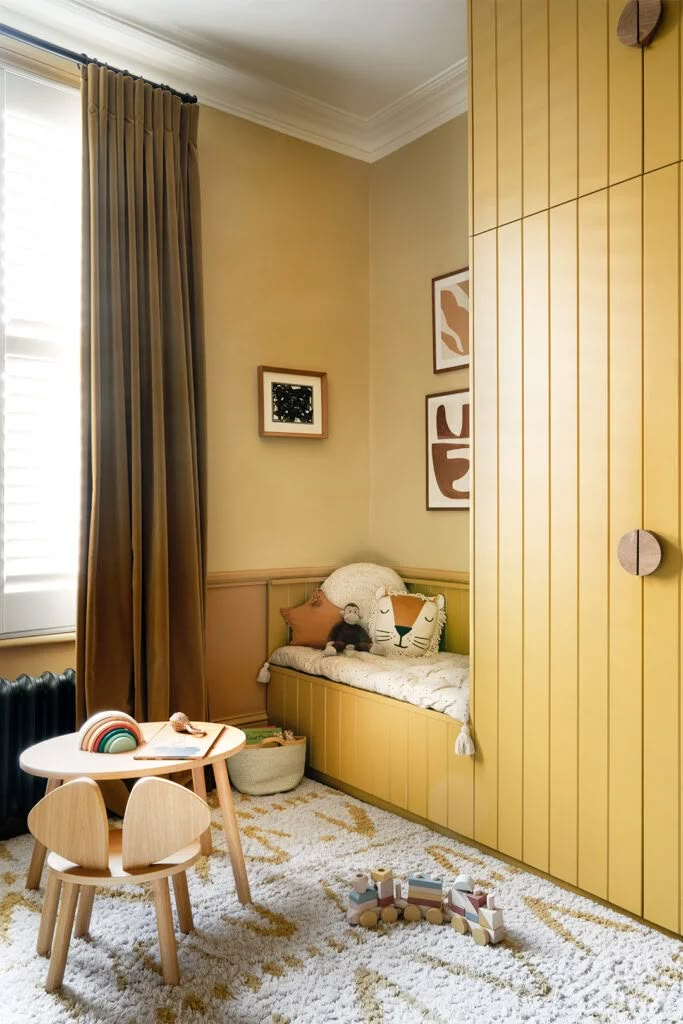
[(490, 902), (464, 883), (491, 919), (418, 901), (496, 934), (481, 936), (359, 882), (477, 900), (428, 895), (471, 916), (382, 875), (425, 882), (385, 889), (369, 896)]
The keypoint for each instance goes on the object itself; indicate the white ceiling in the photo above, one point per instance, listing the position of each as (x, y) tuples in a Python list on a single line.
[(359, 76)]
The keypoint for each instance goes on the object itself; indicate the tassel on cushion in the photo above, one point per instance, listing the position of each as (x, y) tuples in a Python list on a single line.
[(464, 745), (264, 674)]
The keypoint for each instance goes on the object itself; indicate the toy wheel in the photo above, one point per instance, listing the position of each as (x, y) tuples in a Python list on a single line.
[(368, 919), (459, 923), (412, 913), (481, 936), (434, 916), (390, 915)]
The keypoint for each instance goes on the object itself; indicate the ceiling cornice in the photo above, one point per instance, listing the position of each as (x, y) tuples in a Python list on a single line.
[(76, 26)]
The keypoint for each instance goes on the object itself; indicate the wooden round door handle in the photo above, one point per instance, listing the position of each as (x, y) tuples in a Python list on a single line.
[(639, 552)]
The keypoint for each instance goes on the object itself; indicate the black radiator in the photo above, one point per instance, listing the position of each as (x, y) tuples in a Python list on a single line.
[(31, 709)]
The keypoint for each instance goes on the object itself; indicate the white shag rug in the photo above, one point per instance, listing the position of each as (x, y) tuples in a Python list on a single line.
[(291, 958)]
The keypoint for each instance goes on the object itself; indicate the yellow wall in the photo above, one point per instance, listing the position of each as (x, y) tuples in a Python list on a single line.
[(418, 230), (285, 244), (577, 220)]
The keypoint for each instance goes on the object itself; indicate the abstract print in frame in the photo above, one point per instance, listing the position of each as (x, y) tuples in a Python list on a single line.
[(448, 449), (292, 403), (451, 320)]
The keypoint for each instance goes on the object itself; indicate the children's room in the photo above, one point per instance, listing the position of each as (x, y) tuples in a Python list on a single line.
[(341, 511)]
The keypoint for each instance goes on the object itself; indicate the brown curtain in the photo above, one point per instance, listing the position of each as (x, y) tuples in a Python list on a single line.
[(141, 602)]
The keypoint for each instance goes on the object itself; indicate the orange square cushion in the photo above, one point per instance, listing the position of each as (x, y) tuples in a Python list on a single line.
[(311, 622)]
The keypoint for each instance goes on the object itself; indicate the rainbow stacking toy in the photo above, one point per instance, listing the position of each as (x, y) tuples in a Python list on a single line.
[(110, 732)]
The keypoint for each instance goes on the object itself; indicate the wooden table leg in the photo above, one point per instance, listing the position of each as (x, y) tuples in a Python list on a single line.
[(35, 868), (232, 834), (199, 786)]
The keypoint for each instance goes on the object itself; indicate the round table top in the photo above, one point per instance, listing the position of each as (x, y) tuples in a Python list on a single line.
[(61, 757)]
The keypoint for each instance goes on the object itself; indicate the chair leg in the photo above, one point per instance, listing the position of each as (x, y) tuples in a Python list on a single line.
[(85, 902), (49, 916), (167, 944), (182, 902), (199, 786), (60, 946)]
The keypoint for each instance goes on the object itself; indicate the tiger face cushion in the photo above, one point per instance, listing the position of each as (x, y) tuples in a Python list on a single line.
[(407, 624)]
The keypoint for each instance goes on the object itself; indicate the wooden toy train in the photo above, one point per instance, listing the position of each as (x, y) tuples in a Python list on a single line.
[(468, 909)]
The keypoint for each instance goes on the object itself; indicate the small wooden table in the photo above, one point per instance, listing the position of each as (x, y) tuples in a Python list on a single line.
[(60, 759)]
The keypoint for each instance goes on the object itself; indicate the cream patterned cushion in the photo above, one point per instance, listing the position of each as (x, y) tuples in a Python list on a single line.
[(408, 624), (358, 583)]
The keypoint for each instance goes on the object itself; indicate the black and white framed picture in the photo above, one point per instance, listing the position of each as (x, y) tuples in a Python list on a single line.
[(292, 403)]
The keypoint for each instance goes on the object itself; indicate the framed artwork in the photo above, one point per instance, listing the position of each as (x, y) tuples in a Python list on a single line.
[(451, 320), (292, 403), (448, 449)]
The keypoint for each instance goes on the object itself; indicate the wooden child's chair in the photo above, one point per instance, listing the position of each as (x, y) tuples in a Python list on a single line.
[(160, 838)]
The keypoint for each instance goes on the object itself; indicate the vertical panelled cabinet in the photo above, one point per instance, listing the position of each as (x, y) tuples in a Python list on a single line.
[(577, 220)]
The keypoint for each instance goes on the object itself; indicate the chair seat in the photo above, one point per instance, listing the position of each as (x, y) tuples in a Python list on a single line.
[(115, 874)]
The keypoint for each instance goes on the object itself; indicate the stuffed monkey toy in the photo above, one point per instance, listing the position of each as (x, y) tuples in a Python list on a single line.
[(349, 635)]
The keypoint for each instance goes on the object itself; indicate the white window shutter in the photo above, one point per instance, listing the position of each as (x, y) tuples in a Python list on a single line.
[(40, 247)]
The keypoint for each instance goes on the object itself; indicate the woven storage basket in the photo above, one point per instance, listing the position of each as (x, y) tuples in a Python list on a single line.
[(274, 767)]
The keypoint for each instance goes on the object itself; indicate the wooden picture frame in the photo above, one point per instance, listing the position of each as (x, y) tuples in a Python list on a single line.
[(450, 320), (292, 403), (448, 452)]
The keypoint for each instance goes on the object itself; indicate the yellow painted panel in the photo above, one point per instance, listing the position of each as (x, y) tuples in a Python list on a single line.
[(510, 597), (661, 610), (625, 103), (296, 594), (485, 555), (317, 736), (509, 38), (483, 113), (460, 787), (563, 542), (536, 542), (534, 105), (333, 734), (417, 765), (305, 716), (368, 754), (348, 763), (438, 757), (625, 647), (661, 91), (381, 739), (593, 667), (592, 81), (563, 100), (291, 712), (398, 757), (276, 698)]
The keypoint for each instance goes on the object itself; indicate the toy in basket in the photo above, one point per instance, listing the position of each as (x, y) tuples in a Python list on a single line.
[(467, 908), (272, 762)]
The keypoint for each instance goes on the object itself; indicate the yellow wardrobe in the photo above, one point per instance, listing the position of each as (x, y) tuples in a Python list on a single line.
[(576, 224)]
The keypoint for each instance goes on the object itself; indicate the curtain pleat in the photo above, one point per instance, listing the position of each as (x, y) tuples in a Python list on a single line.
[(142, 580)]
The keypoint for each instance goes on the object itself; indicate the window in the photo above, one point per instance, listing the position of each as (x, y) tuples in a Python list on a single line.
[(40, 246)]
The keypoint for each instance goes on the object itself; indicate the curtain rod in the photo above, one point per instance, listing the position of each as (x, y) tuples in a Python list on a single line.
[(82, 58)]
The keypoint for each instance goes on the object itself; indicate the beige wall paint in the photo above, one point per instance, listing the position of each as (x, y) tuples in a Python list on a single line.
[(418, 230), (286, 252)]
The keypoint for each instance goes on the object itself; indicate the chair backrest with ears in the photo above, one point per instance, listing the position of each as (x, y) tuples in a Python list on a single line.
[(161, 818), (72, 821)]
